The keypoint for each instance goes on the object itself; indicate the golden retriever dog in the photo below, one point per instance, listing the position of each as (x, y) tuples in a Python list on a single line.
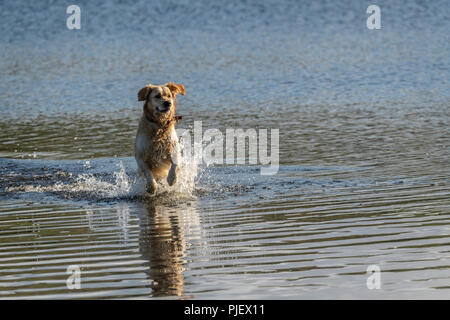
[(157, 150)]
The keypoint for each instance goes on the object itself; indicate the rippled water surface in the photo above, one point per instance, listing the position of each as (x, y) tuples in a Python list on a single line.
[(364, 150)]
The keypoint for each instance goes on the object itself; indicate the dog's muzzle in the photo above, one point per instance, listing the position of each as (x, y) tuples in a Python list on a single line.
[(165, 107)]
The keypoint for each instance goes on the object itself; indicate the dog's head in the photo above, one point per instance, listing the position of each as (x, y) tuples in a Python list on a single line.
[(160, 101)]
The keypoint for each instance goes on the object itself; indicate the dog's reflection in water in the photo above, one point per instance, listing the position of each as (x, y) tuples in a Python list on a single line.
[(162, 241)]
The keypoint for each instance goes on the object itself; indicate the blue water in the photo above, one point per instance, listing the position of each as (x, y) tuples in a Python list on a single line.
[(267, 54), (364, 118)]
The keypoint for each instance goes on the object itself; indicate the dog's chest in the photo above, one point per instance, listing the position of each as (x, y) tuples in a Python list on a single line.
[(156, 146)]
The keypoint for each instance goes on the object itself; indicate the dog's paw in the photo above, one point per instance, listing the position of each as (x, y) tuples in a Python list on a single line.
[(172, 177), (151, 187)]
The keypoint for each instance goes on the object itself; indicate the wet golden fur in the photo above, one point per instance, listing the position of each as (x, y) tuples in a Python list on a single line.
[(156, 148)]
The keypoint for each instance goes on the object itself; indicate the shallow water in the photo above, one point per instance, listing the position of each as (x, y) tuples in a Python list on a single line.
[(364, 151)]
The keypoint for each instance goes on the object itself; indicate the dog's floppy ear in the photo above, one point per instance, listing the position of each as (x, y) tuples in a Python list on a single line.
[(144, 92), (176, 88)]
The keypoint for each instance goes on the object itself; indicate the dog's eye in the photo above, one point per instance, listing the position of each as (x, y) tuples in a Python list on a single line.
[(158, 96)]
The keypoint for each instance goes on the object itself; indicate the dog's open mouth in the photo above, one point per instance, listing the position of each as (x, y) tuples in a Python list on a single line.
[(163, 110)]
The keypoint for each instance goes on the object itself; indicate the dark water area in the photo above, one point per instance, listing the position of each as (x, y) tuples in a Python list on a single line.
[(363, 118)]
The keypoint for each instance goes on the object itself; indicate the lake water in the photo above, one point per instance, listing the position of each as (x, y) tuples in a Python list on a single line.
[(363, 118)]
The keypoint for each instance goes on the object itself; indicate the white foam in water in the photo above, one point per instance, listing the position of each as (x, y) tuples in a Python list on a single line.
[(185, 184), (88, 185)]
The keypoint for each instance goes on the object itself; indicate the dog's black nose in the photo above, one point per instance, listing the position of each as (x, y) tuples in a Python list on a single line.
[(166, 104)]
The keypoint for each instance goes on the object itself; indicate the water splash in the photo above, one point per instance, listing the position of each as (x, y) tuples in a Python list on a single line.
[(185, 184), (102, 185)]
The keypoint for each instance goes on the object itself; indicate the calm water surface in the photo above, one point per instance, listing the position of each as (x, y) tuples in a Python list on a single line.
[(364, 150)]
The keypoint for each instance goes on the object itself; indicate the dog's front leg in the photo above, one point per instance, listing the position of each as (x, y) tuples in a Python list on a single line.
[(174, 168), (151, 183), (172, 176)]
